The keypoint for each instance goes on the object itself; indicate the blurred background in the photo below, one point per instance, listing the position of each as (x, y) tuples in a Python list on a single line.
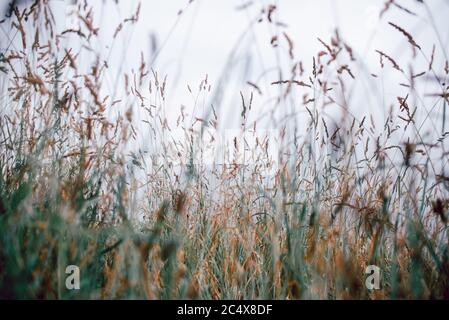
[(233, 46), (188, 40)]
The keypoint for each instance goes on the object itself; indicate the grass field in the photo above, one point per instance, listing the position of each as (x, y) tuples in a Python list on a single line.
[(298, 212)]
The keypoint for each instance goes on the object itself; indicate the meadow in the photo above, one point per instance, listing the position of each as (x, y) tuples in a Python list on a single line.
[(292, 210)]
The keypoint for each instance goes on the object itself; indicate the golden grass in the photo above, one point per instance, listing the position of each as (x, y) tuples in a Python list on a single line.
[(73, 182)]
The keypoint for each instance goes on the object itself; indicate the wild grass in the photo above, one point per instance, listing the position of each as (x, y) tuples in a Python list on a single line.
[(162, 223)]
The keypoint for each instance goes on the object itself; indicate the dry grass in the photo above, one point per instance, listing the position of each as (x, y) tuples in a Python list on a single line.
[(342, 195)]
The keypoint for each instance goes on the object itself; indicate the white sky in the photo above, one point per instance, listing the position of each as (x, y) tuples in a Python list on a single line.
[(201, 40)]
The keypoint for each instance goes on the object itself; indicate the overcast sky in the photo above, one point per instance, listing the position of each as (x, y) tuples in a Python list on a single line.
[(201, 40)]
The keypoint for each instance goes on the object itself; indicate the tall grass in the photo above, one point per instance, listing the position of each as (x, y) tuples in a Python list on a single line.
[(163, 223)]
